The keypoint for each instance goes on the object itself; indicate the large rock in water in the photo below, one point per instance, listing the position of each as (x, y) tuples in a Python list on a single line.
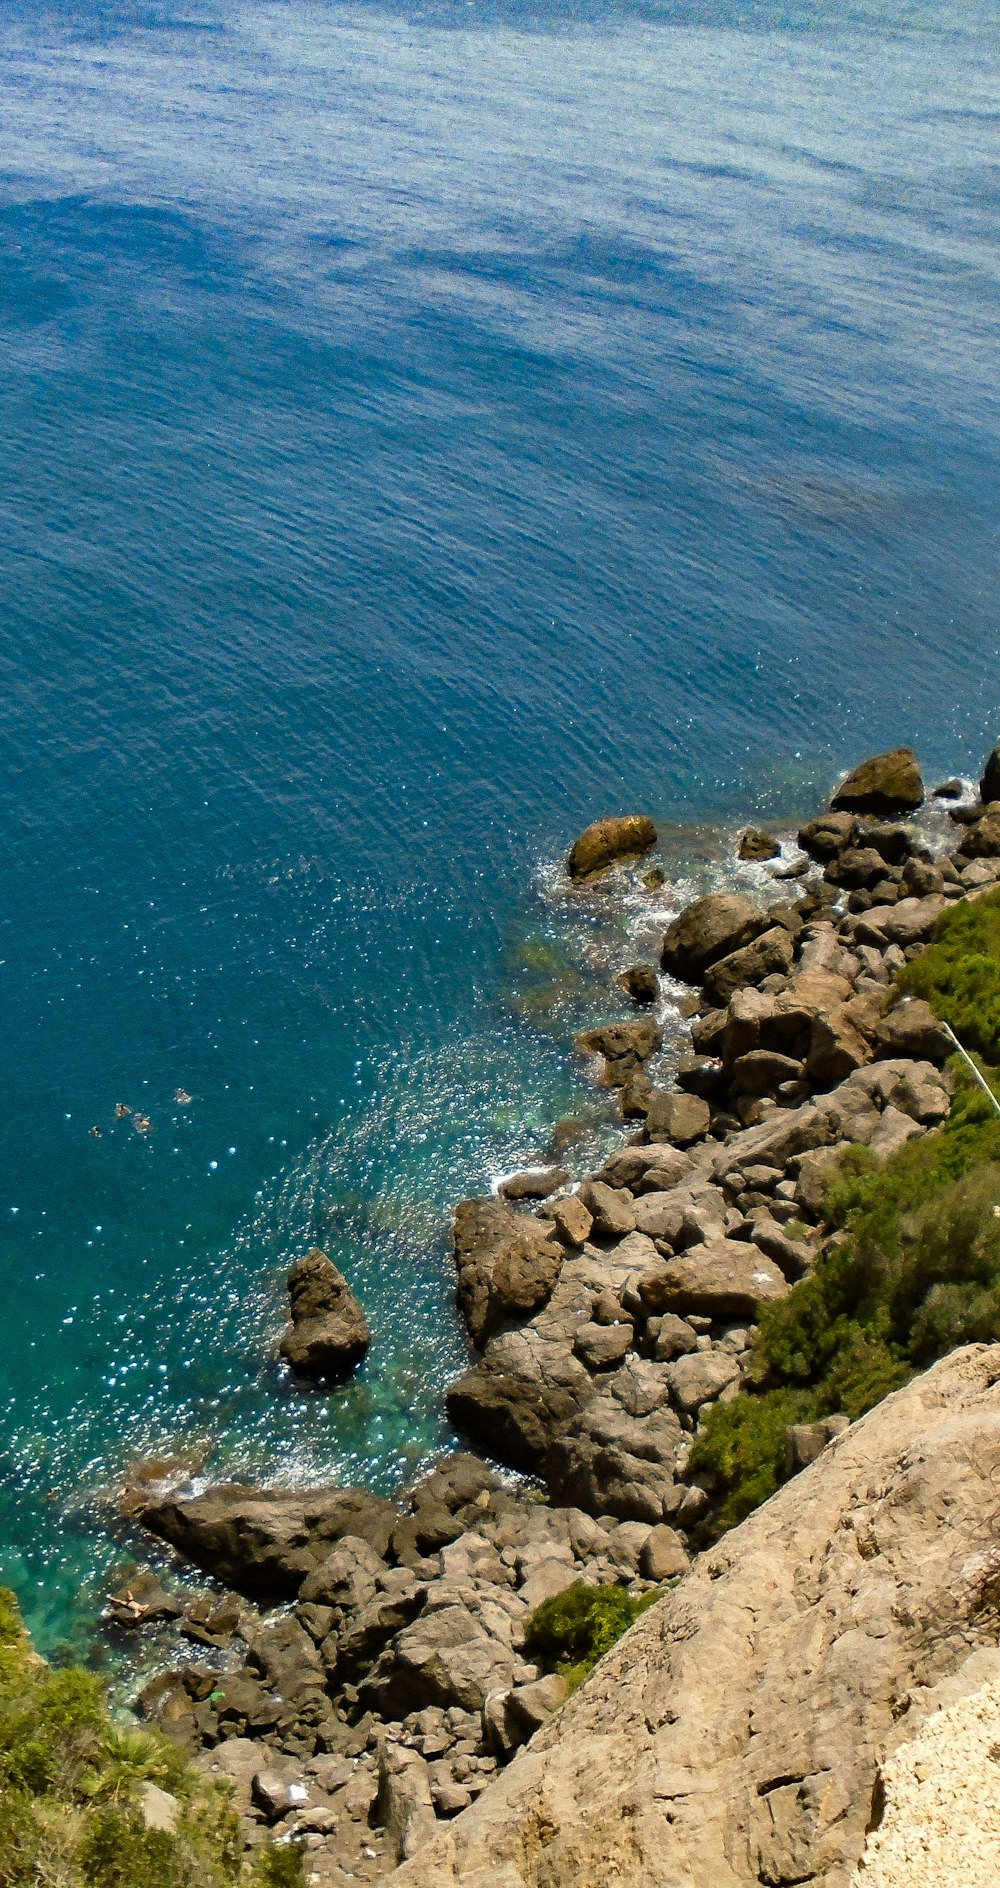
[(735, 1735), (507, 1265), (887, 783), (266, 1541), (989, 786), (328, 1333), (713, 927), (610, 839)]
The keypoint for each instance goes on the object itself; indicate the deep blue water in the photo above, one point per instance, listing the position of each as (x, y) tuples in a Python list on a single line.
[(420, 432)]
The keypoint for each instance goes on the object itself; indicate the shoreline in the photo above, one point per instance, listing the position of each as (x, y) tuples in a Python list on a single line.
[(606, 1319)]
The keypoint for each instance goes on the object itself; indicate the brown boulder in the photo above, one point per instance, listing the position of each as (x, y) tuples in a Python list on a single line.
[(266, 1541), (773, 951), (507, 1265), (827, 836), (710, 928), (724, 1278), (639, 983), (982, 841), (989, 786), (755, 844), (608, 840), (624, 1046), (679, 1120), (913, 1030), (328, 1334), (886, 783), (534, 1183)]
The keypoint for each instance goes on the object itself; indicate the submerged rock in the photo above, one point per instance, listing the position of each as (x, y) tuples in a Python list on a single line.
[(608, 840), (328, 1333)]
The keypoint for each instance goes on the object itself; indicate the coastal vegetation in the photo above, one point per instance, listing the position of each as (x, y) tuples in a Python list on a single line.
[(74, 1792), (571, 1631), (913, 1268)]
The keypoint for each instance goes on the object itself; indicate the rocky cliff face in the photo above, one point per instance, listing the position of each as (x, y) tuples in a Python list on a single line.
[(735, 1736)]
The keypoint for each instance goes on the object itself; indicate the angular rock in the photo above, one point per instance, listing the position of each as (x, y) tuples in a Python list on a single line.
[(534, 1183), (886, 783), (772, 951), (612, 1217), (762, 1071), (507, 1265), (805, 1441), (517, 1399), (836, 1048), (664, 1555), (701, 1377), (627, 1167), (640, 983), (403, 1806), (445, 1658), (756, 844), (989, 786), (531, 1706), (675, 1337), (826, 837), (624, 1046), (677, 1118), (571, 1222), (710, 928), (328, 1334), (607, 840), (912, 1029), (265, 1541), (725, 1278), (602, 1346), (982, 841)]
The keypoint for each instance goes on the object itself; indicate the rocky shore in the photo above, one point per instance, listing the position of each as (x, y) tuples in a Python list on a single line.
[(360, 1668)]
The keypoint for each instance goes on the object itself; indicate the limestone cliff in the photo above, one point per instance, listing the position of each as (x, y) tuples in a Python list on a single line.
[(735, 1735)]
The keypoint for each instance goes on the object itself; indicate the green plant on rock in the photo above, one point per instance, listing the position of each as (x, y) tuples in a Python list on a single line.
[(571, 1631), (915, 1271), (70, 1792), (959, 974)]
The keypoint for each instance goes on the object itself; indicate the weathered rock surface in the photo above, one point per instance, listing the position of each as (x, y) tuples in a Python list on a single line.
[(989, 786), (713, 927), (608, 840), (328, 1333), (265, 1541), (982, 841), (755, 844), (735, 1735), (507, 1264), (886, 783)]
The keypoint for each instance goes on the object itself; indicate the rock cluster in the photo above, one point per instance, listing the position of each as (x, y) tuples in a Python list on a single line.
[(609, 1314)]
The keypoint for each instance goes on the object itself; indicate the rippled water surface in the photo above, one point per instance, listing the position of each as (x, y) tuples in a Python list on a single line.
[(421, 432)]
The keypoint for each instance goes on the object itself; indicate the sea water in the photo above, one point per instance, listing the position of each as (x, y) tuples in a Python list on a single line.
[(421, 431)]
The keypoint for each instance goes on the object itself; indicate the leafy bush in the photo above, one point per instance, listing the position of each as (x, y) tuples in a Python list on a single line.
[(571, 1631), (915, 1272), (70, 1811), (959, 974)]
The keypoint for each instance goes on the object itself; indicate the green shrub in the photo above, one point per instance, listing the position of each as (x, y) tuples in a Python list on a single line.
[(915, 1272), (959, 974), (571, 1631), (69, 1792)]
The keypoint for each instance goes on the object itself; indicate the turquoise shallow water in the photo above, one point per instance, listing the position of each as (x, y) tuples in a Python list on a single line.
[(420, 432)]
